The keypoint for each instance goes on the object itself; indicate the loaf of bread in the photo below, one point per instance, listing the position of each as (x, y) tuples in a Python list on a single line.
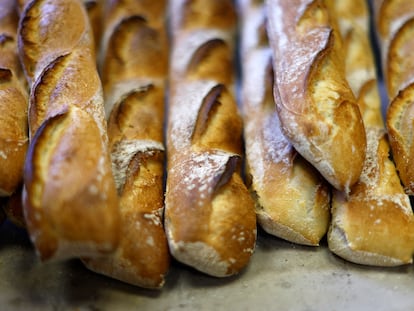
[(317, 109), (70, 199), (373, 223), (210, 219), (292, 199), (394, 21), (134, 74), (13, 103)]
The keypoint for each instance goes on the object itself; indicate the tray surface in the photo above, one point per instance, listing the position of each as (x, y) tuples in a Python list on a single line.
[(280, 276)]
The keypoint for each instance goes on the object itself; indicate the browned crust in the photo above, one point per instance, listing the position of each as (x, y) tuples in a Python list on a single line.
[(68, 18), (203, 105), (13, 135), (142, 257), (316, 106), (138, 116), (80, 220), (209, 218), (203, 54), (127, 12), (200, 14), (13, 104), (127, 53), (374, 224), (203, 37), (71, 76), (154, 12)]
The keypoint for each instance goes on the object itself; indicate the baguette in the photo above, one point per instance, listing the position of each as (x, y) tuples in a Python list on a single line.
[(395, 32), (134, 72), (210, 220), (316, 106), (292, 199), (70, 199), (13, 104), (373, 223)]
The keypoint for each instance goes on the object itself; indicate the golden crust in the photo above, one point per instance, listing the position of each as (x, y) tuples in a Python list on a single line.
[(145, 16), (199, 14), (79, 221), (203, 40), (207, 205), (72, 80), (374, 224), (13, 135), (142, 257), (138, 116), (154, 12), (127, 51), (68, 18), (135, 55)]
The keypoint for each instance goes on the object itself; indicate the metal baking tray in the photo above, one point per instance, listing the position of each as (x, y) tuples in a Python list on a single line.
[(280, 276)]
